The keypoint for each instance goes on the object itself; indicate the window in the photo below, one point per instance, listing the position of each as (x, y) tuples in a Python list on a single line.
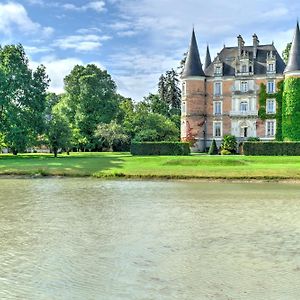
[(271, 67), (218, 70), (244, 68), (217, 107), (270, 128), (183, 88), (217, 128), (244, 106), (244, 86), (271, 87), (218, 89), (271, 106), (183, 105), (250, 69)]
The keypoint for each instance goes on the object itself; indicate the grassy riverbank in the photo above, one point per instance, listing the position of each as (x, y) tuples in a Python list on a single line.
[(125, 165)]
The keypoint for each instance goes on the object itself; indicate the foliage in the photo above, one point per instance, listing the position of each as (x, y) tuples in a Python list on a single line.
[(279, 96), (2, 141), (22, 98), (262, 98), (213, 149), (91, 99), (253, 139), (229, 143), (286, 52), (271, 148), (291, 110), (160, 148), (111, 134), (58, 133), (225, 152), (169, 91)]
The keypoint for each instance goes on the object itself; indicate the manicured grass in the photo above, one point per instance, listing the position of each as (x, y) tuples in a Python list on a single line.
[(125, 165)]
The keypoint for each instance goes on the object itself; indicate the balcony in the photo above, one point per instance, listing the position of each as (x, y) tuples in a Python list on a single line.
[(243, 74), (248, 113), (239, 92)]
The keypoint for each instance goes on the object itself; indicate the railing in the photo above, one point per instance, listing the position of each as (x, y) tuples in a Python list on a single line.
[(247, 113), (239, 92)]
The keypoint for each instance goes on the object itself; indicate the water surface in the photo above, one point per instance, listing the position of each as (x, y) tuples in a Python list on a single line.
[(144, 240)]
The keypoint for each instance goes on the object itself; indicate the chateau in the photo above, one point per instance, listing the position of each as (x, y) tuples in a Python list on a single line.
[(222, 97)]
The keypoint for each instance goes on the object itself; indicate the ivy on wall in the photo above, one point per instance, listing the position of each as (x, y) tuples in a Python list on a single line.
[(262, 113), (291, 110)]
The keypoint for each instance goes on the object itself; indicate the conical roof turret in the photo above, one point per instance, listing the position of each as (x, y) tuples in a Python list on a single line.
[(207, 58), (193, 66), (294, 57)]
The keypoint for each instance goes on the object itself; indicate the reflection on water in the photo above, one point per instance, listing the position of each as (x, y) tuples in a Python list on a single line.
[(90, 239)]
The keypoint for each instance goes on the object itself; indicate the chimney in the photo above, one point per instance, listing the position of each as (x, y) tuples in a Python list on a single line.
[(241, 44), (255, 44)]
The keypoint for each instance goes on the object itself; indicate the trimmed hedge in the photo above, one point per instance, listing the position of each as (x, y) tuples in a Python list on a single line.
[(160, 148), (271, 148)]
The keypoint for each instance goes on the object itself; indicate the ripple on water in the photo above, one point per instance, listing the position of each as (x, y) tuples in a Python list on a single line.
[(91, 239)]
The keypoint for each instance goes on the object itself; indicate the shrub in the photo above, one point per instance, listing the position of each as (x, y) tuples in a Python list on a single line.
[(271, 148), (229, 143), (160, 148), (213, 149), (253, 139), (225, 152)]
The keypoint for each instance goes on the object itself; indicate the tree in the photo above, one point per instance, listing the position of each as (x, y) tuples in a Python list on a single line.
[(58, 133), (111, 134), (213, 149), (169, 91), (22, 98), (286, 52), (91, 99), (229, 143), (157, 105)]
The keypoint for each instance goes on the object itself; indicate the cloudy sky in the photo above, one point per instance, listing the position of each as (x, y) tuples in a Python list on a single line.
[(137, 40)]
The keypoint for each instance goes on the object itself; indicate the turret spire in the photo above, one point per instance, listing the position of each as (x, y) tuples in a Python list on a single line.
[(207, 58), (193, 66), (294, 57)]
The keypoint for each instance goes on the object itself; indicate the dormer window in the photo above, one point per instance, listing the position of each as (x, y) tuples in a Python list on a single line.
[(244, 68), (218, 70), (271, 67), (244, 86)]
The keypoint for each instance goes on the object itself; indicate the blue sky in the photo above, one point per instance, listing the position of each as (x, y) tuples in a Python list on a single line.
[(136, 40)]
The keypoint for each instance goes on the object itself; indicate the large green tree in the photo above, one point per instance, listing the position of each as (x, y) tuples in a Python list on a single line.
[(286, 52), (91, 99), (22, 98)]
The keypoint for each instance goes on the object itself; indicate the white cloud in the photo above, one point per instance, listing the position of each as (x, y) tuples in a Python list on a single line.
[(89, 42), (57, 69), (97, 6), (14, 16)]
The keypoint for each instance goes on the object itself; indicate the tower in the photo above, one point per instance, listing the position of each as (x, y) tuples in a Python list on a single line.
[(291, 93), (193, 112)]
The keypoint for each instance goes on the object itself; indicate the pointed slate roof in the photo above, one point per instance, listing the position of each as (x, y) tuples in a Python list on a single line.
[(294, 57), (207, 58), (193, 66)]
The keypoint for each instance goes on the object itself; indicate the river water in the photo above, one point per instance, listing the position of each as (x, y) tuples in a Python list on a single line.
[(144, 240)]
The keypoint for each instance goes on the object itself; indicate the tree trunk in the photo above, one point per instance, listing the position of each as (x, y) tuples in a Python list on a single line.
[(14, 151), (55, 152)]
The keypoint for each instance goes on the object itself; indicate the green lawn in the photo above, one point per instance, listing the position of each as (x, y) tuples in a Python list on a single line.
[(125, 165)]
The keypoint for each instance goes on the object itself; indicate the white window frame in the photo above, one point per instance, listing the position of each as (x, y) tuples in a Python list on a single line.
[(271, 83), (214, 129), (268, 129), (271, 67), (244, 68), (183, 107), (215, 105), (273, 110), (218, 70), (184, 88), (245, 104), (216, 90), (244, 86)]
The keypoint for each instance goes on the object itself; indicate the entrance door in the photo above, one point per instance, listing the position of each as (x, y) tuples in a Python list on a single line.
[(245, 129)]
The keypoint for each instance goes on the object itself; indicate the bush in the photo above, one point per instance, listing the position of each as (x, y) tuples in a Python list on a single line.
[(160, 148), (229, 143), (213, 149), (253, 139), (271, 148), (225, 152)]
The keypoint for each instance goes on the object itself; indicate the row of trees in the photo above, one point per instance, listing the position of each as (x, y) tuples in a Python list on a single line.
[(89, 116)]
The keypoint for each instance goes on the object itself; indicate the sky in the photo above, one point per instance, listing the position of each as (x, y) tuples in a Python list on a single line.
[(137, 40)]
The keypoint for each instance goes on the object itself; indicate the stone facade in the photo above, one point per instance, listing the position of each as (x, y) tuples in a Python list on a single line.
[(223, 98)]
